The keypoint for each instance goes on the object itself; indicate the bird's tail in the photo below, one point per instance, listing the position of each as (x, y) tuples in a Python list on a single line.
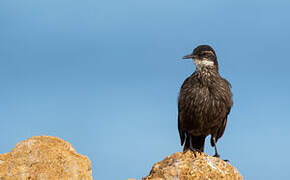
[(194, 142)]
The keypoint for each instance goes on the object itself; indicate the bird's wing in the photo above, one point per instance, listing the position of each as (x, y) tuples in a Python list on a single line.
[(182, 106), (222, 128), (229, 104), (181, 132), (181, 116)]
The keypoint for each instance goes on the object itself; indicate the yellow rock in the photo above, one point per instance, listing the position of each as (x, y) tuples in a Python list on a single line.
[(185, 166), (43, 158)]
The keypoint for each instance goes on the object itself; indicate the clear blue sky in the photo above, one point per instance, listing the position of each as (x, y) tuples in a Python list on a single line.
[(105, 76)]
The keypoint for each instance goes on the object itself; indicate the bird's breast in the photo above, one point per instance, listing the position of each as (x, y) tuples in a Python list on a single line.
[(205, 104)]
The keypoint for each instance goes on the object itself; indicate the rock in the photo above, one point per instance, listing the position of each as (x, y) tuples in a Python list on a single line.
[(43, 158), (185, 166)]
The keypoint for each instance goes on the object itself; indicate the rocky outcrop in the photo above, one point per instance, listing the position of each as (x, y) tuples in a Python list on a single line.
[(43, 158), (185, 166)]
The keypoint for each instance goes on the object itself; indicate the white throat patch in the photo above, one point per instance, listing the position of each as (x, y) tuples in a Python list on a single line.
[(200, 63)]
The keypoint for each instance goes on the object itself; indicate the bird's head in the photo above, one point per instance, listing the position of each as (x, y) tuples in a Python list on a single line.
[(203, 56)]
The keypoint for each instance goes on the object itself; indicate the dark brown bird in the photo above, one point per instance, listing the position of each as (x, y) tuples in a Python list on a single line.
[(204, 102)]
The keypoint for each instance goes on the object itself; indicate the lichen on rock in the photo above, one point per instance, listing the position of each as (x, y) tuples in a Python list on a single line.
[(187, 166), (44, 157)]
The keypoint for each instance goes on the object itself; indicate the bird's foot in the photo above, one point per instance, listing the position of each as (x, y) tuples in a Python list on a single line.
[(218, 156), (194, 151)]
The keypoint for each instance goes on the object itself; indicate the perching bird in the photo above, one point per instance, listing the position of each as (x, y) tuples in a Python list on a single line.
[(204, 102)]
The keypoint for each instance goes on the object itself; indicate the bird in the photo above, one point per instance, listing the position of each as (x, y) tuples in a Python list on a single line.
[(204, 102)]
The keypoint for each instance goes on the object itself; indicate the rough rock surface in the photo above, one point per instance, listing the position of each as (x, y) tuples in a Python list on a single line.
[(43, 158), (185, 166)]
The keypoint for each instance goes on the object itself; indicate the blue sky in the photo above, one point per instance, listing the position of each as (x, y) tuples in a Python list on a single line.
[(105, 76)]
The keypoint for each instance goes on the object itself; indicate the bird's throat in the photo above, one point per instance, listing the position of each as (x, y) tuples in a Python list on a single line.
[(207, 74), (203, 63)]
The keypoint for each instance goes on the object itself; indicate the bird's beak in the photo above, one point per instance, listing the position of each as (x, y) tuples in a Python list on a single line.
[(190, 56)]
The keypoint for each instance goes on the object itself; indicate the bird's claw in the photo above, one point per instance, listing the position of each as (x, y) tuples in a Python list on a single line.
[(218, 156), (194, 151)]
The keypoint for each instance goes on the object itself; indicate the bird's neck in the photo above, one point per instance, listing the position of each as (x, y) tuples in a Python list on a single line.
[(207, 70), (207, 74)]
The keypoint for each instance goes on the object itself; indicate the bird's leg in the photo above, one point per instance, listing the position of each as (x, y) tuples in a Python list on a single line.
[(188, 146), (215, 149), (194, 150)]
